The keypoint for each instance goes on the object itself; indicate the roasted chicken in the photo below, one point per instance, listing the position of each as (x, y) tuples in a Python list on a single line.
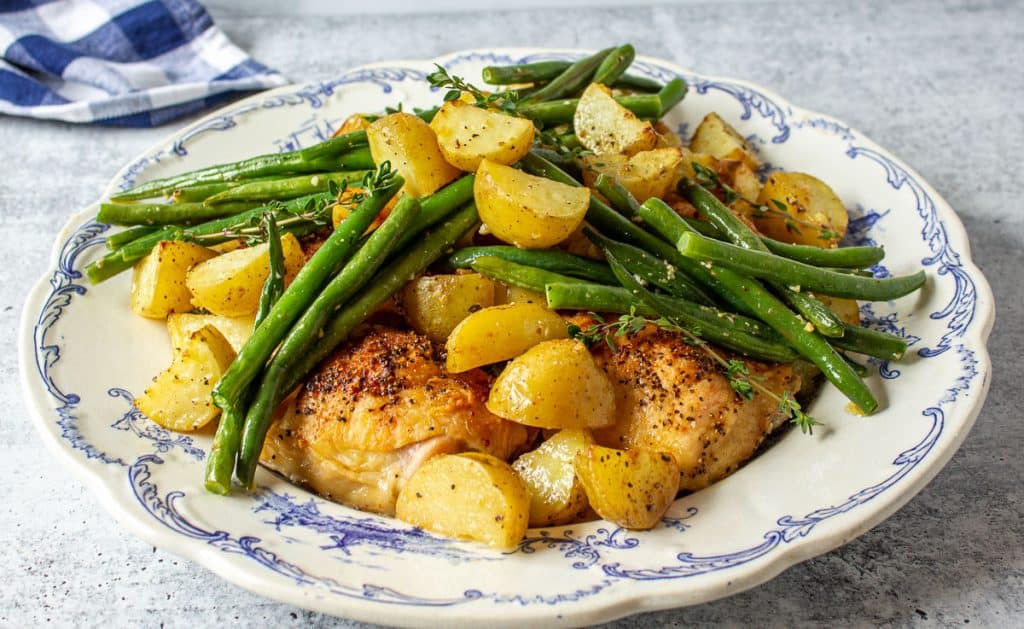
[(376, 410)]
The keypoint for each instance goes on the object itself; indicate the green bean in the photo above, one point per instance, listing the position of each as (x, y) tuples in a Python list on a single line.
[(616, 225), (620, 198), (769, 309), (122, 238), (167, 213), (537, 72), (586, 296), (660, 273), (826, 321), (209, 233), (438, 207), (718, 332), (309, 281), (567, 163), (840, 257), (554, 260), (358, 158), (308, 328), (520, 275), (860, 369), (287, 188), (671, 95), (614, 65), (221, 460), (309, 159), (639, 83), (871, 342), (571, 80), (793, 273)]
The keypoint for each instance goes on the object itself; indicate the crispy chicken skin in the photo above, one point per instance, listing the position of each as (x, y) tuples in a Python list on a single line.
[(672, 396), (374, 411)]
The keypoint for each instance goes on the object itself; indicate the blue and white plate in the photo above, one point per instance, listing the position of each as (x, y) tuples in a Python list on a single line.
[(84, 355)]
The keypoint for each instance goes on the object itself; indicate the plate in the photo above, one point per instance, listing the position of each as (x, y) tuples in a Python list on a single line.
[(83, 356)]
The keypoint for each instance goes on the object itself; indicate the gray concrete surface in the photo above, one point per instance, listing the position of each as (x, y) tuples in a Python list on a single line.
[(937, 83)]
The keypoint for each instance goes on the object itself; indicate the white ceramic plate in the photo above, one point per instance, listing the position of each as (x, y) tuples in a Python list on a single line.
[(83, 355)]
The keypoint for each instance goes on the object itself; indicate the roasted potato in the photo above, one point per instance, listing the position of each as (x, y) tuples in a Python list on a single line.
[(355, 122), (468, 496), (631, 488), (435, 304), (717, 138), (525, 210), (158, 280), (802, 209), (606, 127), (235, 329), (667, 138), (498, 333), (179, 398), (741, 179), (230, 284), (556, 495), (467, 134), (646, 174), (410, 145), (554, 384)]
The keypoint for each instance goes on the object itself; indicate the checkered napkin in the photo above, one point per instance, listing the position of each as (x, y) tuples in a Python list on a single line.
[(130, 63)]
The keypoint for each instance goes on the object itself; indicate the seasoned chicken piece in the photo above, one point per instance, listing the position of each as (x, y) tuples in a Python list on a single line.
[(671, 396), (376, 410)]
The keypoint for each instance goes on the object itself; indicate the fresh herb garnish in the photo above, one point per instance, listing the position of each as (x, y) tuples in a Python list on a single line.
[(456, 86)]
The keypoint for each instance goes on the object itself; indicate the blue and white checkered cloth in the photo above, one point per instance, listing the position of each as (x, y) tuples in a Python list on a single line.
[(131, 63)]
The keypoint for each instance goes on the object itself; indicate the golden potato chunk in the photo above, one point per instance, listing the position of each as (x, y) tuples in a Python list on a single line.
[(435, 304), (802, 209), (498, 333), (525, 210), (741, 179), (471, 496), (646, 174), (717, 138), (606, 127), (847, 309), (410, 145), (554, 384), (230, 284), (468, 134), (631, 488), (508, 294), (179, 398), (236, 330), (556, 495), (158, 280)]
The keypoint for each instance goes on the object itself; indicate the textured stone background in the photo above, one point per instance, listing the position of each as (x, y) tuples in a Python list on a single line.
[(937, 83)]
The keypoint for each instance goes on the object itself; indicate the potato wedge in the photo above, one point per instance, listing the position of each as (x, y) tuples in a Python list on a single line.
[(435, 304), (235, 329), (525, 210), (554, 384), (802, 209), (718, 138), (355, 122), (646, 174), (410, 145), (556, 495), (179, 398), (158, 280), (230, 284), (606, 127), (468, 134), (631, 488), (468, 496), (498, 333), (740, 178)]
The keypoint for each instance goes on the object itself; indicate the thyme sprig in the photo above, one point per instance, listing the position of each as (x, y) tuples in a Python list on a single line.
[(456, 86), (736, 371)]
